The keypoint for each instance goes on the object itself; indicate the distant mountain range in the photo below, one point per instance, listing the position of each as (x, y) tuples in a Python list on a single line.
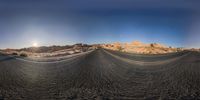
[(49, 51)]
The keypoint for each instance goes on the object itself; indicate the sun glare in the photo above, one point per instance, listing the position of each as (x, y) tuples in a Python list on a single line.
[(35, 44)]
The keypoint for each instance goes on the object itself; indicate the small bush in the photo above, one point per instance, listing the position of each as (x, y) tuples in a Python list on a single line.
[(14, 53), (119, 48), (23, 55)]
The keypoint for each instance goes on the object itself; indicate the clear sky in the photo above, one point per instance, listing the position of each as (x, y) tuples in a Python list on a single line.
[(61, 22)]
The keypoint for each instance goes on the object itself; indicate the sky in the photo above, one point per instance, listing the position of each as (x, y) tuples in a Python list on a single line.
[(63, 22)]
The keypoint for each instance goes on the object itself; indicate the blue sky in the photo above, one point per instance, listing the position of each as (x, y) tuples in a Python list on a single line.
[(62, 22)]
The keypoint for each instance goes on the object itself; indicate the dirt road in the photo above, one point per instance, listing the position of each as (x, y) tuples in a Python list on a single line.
[(103, 74)]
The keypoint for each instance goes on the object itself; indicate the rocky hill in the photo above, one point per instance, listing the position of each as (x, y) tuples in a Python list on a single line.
[(133, 47), (141, 48), (50, 51)]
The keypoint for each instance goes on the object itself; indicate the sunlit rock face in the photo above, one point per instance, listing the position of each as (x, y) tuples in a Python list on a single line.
[(141, 48)]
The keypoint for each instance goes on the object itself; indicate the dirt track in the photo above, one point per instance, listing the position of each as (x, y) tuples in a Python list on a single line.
[(100, 75)]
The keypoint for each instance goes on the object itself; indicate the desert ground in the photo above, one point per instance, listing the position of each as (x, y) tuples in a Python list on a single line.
[(102, 75)]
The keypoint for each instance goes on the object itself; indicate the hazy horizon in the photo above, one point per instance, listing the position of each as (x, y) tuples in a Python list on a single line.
[(48, 22)]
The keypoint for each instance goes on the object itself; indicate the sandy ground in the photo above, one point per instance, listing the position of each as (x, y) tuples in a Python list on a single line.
[(103, 74)]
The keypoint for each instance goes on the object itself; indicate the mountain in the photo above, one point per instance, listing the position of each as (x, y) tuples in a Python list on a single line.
[(50, 51), (141, 48), (133, 47)]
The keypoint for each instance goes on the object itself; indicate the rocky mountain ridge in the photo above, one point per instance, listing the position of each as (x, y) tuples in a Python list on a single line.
[(141, 48)]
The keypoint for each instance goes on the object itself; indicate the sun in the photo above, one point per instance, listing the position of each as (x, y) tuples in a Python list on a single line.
[(35, 44)]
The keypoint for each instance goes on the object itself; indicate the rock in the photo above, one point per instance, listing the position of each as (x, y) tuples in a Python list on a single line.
[(141, 48)]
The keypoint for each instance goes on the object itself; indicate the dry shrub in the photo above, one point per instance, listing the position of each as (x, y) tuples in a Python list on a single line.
[(23, 55)]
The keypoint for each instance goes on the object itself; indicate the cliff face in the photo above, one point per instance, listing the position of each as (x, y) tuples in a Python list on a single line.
[(139, 47)]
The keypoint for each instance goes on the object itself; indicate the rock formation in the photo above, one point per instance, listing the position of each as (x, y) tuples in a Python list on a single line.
[(141, 48)]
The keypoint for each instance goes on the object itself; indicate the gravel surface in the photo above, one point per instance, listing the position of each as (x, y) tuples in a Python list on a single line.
[(103, 75)]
